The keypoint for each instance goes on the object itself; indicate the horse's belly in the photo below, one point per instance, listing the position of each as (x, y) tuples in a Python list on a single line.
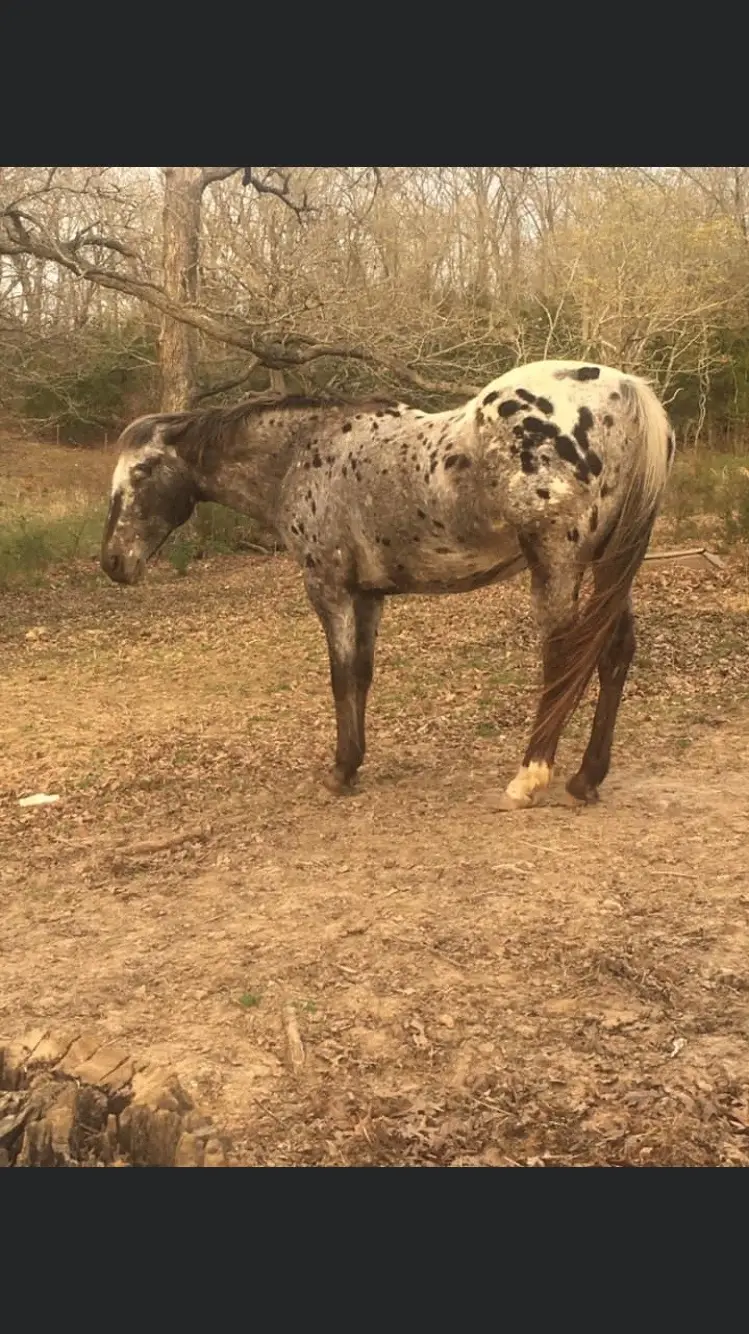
[(445, 564)]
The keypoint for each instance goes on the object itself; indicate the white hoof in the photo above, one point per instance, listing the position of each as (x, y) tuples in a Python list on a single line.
[(509, 803)]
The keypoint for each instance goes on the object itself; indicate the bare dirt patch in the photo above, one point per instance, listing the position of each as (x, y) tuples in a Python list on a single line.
[(405, 977)]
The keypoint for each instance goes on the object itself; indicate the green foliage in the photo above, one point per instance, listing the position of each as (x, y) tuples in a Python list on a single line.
[(29, 544), (705, 483), (81, 391), (214, 530), (736, 508)]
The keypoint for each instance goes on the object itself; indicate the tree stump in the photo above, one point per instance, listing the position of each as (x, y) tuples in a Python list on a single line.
[(73, 1100)]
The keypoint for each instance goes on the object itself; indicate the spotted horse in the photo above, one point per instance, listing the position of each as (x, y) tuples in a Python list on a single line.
[(557, 466)]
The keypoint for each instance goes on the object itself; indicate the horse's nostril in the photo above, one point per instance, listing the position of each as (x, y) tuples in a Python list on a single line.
[(114, 565)]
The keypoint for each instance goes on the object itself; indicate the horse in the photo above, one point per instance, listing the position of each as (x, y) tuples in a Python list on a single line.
[(558, 467)]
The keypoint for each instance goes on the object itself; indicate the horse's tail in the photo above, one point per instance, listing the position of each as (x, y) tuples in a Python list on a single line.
[(623, 549)]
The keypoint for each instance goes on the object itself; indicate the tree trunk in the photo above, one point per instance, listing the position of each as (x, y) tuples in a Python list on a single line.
[(179, 342)]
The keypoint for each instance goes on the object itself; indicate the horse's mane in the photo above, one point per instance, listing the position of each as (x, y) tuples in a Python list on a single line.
[(205, 434)]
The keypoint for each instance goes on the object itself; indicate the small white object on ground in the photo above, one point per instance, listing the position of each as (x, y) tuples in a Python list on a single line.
[(38, 799)]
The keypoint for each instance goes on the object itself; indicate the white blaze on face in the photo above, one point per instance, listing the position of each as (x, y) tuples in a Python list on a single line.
[(129, 459), (122, 481)]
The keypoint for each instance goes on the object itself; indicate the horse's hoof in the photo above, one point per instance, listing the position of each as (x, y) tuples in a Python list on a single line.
[(577, 793), (507, 803), (339, 786)]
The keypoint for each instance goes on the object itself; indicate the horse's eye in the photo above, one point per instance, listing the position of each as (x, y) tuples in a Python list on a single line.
[(145, 469)]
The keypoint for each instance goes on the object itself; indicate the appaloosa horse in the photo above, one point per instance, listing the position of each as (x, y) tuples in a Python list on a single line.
[(558, 466)]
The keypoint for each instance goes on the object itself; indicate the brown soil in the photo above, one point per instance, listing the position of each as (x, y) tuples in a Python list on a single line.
[(408, 976)]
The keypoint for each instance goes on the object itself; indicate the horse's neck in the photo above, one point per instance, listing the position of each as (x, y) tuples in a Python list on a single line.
[(249, 478)]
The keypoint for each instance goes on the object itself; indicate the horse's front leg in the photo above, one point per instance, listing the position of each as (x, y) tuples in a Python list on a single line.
[(337, 612), (368, 611)]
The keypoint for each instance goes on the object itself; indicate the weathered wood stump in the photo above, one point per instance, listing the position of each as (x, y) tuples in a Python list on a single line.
[(72, 1100)]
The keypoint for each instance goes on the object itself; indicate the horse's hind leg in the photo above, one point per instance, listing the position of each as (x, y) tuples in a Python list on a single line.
[(613, 666), (350, 624), (554, 589)]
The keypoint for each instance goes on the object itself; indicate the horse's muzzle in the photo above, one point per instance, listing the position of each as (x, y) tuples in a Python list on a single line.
[(121, 568)]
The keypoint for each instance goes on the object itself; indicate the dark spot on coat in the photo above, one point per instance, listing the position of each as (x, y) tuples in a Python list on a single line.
[(490, 397), (375, 427), (608, 420), (316, 460), (525, 395), (544, 405), (509, 407), (542, 493), (479, 417), (537, 430), (518, 431), (566, 449), (614, 397), (347, 426), (580, 431), (594, 463), (573, 535), (528, 461), (451, 460), (587, 373), (313, 507), (594, 518)]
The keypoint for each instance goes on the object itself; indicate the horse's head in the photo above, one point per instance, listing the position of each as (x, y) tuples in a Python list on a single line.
[(153, 492)]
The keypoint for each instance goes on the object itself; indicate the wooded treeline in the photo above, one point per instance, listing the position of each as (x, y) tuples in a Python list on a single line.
[(126, 289)]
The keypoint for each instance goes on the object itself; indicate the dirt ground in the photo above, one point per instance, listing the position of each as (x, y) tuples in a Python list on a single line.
[(470, 987)]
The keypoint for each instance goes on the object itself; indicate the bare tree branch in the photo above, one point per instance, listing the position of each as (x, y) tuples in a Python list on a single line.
[(264, 187), (225, 386), (210, 174)]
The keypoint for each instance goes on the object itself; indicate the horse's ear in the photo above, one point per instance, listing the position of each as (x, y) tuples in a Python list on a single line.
[(173, 431)]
